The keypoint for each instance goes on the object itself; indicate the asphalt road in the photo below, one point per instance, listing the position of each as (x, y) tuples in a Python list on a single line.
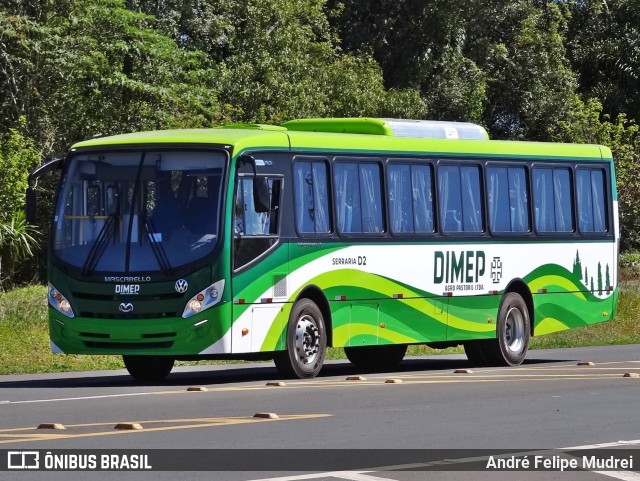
[(548, 403)]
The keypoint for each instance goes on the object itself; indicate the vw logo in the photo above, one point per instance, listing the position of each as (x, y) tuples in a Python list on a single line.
[(181, 286), (126, 307)]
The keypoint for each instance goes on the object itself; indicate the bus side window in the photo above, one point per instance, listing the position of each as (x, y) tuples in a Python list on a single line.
[(255, 232), (553, 199), (460, 194), (507, 199), (311, 197), (400, 198), (590, 190), (348, 197), (358, 187)]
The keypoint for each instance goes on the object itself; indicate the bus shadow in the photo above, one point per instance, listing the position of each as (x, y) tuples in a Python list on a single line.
[(184, 376)]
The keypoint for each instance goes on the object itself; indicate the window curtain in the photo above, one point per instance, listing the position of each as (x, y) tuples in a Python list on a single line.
[(422, 198), (493, 198), (348, 197), (518, 200), (562, 200), (471, 208), (304, 198), (320, 197), (371, 198), (597, 186)]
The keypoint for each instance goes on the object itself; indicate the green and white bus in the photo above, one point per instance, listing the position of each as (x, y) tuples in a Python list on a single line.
[(275, 242)]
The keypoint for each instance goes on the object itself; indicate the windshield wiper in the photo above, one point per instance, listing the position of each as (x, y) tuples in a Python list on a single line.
[(157, 248), (99, 246)]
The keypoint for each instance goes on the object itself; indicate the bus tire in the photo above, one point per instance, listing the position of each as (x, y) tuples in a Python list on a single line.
[(475, 351), (376, 357), (306, 342), (513, 333), (148, 368)]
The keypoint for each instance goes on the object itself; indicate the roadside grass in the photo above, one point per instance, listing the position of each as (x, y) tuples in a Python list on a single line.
[(24, 338)]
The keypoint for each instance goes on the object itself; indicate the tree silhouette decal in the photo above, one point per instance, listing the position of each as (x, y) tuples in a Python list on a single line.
[(599, 279), (577, 266)]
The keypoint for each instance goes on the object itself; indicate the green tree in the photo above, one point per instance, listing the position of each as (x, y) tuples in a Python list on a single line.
[(76, 68), (284, 64), (532, 84), (603, 40), (18, 156), (17, 242), (499, 63)]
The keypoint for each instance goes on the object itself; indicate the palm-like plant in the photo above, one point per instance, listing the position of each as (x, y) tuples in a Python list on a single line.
[(17, 242)]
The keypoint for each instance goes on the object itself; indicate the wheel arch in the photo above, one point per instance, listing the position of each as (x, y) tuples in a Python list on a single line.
[(315, 294), (520, 287)]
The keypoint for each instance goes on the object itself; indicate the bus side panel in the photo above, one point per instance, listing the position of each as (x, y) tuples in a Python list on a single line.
[(260, 293), (368, 304), (560, 311), (472, 317), (580, 294)]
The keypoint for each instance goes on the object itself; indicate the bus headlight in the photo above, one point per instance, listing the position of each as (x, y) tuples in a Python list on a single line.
[(204, 299), (59, 302), (194, 305)]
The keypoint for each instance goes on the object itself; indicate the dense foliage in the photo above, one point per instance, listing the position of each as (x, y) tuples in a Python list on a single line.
[(526, 69)]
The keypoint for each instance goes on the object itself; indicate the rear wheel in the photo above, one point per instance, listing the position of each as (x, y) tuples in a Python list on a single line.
[(475, 351), (513, 333), (376, 357), (148, 368), (306, 342)]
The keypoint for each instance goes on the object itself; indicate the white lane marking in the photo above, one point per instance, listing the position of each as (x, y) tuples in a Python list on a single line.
[(622, 475), (30, 401), (357, 476), (614, 444), (361, 476), (350, 475)]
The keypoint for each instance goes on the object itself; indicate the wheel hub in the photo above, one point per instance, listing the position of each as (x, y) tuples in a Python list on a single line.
[(307, 340), (514, 330)]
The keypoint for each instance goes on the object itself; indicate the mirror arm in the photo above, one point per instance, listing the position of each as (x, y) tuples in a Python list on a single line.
[(45, 168)]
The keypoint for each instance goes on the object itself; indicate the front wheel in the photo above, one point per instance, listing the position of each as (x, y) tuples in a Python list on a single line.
[(306, 342), (148, 368)]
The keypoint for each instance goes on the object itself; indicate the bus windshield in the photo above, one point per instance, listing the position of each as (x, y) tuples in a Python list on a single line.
[(138, 211)]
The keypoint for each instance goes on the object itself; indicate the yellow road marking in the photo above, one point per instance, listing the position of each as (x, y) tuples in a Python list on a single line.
[(191, 424), (538, 373)]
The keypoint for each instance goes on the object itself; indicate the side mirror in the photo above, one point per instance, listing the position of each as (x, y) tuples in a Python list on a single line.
[(261, 201), (31, 207), (261, 198)]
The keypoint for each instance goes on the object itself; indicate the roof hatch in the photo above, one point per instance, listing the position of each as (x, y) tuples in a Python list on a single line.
[(428, 129)]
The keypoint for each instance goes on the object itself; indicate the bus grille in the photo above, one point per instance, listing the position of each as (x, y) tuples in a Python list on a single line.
[(128, 345), (279, 285), (111, 315)]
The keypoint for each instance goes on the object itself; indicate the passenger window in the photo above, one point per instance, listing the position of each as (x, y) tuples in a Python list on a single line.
[(553, 203), (410, 198), (508, 199), (461, 207), (358, 197), (311, 197), (590, 189)]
